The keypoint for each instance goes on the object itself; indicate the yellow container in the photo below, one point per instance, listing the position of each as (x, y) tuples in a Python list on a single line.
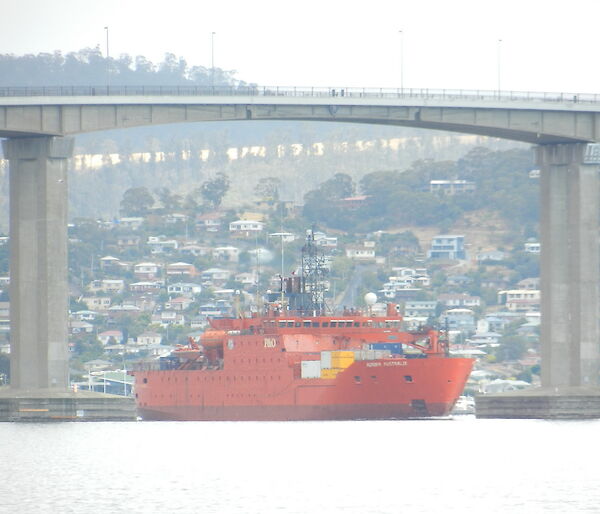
[(342, 353), (341, 359), (330, 373)]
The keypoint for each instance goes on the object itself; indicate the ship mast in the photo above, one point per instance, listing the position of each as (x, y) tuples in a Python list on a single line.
[(314, 271)]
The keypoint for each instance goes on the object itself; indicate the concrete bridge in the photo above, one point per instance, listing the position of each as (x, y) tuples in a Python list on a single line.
[(37, 122)]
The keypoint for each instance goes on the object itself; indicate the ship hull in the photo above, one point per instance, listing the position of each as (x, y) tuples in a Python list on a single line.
[(388, 389), (292, 412)]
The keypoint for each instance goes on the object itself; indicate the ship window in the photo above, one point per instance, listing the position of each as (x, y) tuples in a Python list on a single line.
[(333, 324), (297, 324), (282, 323), (325, 324), (364, 323), (357, 379), (408, 378), (290, 323), (306, 323), (356, 324), (145, 380), (315, 324), (374, 378)]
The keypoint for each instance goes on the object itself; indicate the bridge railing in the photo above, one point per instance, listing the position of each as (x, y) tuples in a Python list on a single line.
[(318, 92)]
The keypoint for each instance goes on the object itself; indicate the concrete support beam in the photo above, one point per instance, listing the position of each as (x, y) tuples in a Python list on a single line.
[(570, 276), (38, 261), (570, 266)]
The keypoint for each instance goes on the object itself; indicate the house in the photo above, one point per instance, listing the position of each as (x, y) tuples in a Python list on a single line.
[(532, 247), (193, 250), (149, 338), (458, 280), (353, 203), (126, 308), (160, 244), (110, 337), (490, 256), (128, 241), (459, 319), (174, 218), (459, 300), (146, 270), (85, 315), (80, 327), (167, 318), (451, 247), (210, 222), (420, 309), (451, 187), (247, 279), (364, 252), (97, 303), (529, 283), (145, 287), (520, 300), (215, 275), (145, 302), (132, 223), (180, 303), (179, 269), (226, 253), (108, 286), (246, 228), (188, 289), (110, 263)]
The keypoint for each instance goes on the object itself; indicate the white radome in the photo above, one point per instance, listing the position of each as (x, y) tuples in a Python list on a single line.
[(370, 299)]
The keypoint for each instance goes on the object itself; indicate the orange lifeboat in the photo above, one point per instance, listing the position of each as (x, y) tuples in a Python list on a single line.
[(212, 338)]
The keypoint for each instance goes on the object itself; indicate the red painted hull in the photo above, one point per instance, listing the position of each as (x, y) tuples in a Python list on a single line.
[(268, 390)]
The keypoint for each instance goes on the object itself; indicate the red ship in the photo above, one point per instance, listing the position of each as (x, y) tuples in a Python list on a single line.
[(293, 362)]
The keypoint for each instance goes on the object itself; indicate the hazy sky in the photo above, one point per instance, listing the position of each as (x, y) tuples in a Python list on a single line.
[(547, 45)]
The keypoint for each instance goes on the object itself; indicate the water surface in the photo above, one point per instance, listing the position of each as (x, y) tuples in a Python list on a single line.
[(463, 465)]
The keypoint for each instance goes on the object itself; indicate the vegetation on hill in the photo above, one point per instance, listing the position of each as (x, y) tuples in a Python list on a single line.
[(400, 198), (90, 67)]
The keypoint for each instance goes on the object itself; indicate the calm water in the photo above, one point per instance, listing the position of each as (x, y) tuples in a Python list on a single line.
[(462, 465)]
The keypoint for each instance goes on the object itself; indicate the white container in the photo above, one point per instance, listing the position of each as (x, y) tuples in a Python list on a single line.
[(326, 360), (310, 369)]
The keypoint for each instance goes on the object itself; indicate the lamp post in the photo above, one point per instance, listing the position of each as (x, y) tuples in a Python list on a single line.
[(498, 63), (107, 62), (401, 61), (212, 60), (282, 235)]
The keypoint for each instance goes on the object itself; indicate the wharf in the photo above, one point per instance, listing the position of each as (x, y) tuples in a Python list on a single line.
[(562, 402), (47, 406)]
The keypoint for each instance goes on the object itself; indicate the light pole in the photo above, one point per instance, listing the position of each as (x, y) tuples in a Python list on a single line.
[(401, 61), (107, 62), (212, 59), (498, 62)]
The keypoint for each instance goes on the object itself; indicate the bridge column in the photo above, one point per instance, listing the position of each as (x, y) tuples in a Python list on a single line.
[(570, 292), (570, 266), (38, 261)]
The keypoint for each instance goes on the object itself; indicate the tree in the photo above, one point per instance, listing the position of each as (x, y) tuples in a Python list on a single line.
[(214, 190), (137, 201), (171, 201), (268, 189)]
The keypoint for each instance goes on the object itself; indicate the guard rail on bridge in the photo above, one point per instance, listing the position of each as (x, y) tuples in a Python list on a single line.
[(317, 92)]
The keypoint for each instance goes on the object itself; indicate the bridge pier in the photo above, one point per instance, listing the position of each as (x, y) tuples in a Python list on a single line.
[(39, 284), (570, 278)]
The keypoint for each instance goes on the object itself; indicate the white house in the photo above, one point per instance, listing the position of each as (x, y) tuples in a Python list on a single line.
[(246, 227), (184, 289), (146, 270), (149, 338), (226, 253)]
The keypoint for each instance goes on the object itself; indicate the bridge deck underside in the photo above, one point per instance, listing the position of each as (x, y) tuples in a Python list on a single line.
[(526, 125)]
